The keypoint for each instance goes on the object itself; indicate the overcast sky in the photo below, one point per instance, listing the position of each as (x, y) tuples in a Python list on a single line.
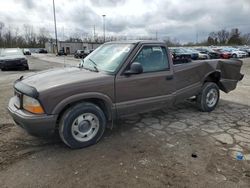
[(180, 19)]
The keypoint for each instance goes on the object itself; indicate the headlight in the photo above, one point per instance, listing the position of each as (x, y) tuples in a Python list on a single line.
[(32, 105)]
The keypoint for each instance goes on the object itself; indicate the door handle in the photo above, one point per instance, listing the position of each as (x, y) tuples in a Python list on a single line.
[(169, 77)]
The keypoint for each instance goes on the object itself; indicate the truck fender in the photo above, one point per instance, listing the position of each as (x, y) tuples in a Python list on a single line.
[(209, 74), (85, 96)]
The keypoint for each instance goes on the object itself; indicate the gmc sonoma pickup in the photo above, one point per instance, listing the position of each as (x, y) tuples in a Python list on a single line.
[(116, 80)]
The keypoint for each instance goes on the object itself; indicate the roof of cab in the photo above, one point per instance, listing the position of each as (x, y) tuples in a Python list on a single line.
[(136, 42)]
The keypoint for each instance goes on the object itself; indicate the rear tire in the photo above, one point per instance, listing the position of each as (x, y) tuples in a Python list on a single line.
[(209, 97), (82, 125)]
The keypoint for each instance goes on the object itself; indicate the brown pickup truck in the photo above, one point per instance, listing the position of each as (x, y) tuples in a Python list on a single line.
[(116, 80)]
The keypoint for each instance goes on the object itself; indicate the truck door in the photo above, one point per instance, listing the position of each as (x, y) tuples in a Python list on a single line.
[(151, 89)]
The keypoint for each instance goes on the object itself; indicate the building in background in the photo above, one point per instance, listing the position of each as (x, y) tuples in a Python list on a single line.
[(71, 47)]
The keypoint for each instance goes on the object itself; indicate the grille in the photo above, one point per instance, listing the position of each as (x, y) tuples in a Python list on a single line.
[(17, 62)]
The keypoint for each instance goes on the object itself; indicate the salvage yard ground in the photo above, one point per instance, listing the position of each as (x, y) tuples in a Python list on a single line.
[(173, 147)]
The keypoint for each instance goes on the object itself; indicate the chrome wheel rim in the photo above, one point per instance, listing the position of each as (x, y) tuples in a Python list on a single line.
[(85, 127), (212, 97)]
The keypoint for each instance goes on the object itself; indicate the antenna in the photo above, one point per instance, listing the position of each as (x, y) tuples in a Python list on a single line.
[(64, 62)]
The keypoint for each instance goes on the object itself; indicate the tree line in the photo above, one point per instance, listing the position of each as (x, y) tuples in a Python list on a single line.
[(26, 37), (224, 37)]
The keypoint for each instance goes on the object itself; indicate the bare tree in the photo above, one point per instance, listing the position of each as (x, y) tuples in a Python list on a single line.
[(1, 34), (235, 37), (8, 38), (29, 35), (43, 36), (246, 39), (223, 36)]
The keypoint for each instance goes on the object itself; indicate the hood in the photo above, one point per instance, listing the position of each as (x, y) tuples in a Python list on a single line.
[(58, 77), (12, 57)]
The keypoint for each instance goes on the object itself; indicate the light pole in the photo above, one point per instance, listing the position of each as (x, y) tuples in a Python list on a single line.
[(54, 10), (103, 16)]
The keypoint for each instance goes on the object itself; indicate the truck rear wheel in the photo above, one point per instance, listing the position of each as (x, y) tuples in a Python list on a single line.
[(209, 97), (82, 125)]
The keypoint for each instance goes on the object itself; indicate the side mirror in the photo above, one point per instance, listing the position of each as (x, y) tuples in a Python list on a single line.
[(135, 68)]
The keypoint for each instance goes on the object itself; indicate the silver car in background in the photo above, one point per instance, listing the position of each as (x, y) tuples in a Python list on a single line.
[(13, 58)]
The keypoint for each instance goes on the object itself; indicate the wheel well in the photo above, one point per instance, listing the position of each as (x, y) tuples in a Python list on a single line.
[(213, 77), (98, 102)]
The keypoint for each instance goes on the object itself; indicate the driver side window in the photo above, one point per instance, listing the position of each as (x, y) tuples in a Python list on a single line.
[(153, 58)]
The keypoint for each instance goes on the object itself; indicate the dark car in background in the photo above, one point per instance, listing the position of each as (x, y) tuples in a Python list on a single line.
[(212, 54), (42, 51), (80, 54), (13, 58), (61, 52), (194, 53), (180, 55)]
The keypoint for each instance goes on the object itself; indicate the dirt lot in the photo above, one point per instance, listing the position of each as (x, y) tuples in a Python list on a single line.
[(173, 147)]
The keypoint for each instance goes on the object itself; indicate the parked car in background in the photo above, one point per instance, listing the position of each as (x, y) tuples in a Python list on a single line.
[(61, 52), (236, 53), (212, 54), (13, 58), (223, 54), (42, 51), (203, 56), (180, 56), (194, 53), (245, 49), (80, 54), (26, 51)]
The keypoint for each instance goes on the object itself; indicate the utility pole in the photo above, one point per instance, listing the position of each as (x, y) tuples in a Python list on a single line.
[(94, 33), (156, 35), (103, 16), (197, 37), (54, 10)]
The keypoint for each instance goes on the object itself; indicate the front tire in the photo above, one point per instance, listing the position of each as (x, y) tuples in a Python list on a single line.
[(234, 56), (209, 97), (82, 125)]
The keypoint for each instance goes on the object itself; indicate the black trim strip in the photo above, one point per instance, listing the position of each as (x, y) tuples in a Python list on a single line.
[(26, 89)]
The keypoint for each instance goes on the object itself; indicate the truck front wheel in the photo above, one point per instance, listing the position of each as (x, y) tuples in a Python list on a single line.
[(82, 125), (209, 97)]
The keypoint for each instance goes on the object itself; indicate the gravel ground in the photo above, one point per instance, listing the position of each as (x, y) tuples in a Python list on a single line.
[(172, 147)]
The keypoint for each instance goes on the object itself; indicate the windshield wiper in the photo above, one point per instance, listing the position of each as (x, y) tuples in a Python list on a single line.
[(95, 65), (81, 65)]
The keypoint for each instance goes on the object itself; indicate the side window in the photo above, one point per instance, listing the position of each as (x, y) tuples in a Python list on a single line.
[(153, 58)]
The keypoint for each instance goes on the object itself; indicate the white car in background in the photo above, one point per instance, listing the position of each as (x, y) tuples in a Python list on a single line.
[(236, 53), (26, 51), (203, 56)]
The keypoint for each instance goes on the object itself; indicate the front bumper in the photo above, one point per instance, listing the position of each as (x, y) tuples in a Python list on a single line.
[(242, 55), (39, 125)]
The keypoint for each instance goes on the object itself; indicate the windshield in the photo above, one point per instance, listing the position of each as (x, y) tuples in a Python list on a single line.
[(108, 57), (10, 52)]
